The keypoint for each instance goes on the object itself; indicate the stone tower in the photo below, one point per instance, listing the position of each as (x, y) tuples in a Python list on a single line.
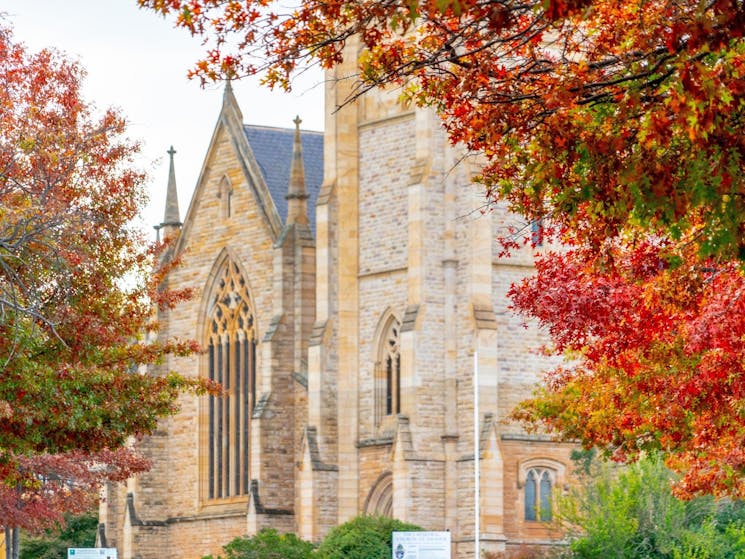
[(410, 301)]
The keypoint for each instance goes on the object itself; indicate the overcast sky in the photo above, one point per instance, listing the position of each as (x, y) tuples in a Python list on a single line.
[(138, 62)]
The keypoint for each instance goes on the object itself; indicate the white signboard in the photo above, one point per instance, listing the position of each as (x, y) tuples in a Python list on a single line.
[(92, 553), (421, 545)]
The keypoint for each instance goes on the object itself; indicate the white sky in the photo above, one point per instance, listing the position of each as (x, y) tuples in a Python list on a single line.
[(137, 61)]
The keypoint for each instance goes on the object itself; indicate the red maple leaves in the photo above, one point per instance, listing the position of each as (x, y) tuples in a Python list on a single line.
[(656, 353)]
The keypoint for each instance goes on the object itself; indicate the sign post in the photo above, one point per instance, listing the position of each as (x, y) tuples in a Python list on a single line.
[(421, 545)]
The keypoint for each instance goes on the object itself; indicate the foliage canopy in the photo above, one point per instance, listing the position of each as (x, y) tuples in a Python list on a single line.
[(656, 359), (78, 531), (630, 513), (363, 537), (267, 543), (599, 114)]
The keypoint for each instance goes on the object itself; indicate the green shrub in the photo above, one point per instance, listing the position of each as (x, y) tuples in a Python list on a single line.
[(363, 537), (267, 544), (631, 513), (78, 531)]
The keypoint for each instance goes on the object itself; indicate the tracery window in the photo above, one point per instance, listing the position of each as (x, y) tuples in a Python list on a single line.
[(538, 485), (388, 372), (231, 355)]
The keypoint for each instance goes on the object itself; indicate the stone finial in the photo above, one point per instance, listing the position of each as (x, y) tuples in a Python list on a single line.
[(172, 215), (297, 210), (171, 218), (230, 104)]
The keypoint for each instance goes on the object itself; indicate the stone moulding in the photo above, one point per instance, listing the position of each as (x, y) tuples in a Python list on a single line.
[(134, 520), (259, 507), (318, 465)]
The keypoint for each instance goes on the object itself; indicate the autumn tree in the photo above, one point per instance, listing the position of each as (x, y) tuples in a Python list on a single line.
[(44, 489), (76, 294), (657, 352), (617, 123)]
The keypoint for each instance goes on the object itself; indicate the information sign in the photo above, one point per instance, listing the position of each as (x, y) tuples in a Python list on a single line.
[(421, 545), (92, 553)]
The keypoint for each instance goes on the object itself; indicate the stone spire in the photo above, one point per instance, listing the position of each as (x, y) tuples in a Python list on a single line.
[(297, 209), (171, 218)]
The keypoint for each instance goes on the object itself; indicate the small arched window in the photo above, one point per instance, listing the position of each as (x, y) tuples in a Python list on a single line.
[(231, 361), (388, 371), (225, 194), (537, 492)]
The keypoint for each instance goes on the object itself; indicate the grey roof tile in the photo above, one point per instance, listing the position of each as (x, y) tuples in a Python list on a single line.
[(272, 148)]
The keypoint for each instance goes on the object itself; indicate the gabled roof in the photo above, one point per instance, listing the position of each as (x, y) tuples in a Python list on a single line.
[(265, 157), (272, 149)]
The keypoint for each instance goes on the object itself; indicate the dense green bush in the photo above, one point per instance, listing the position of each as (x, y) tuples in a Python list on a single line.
[(363, 537), (267, 544), (631, 513), (78, 531)]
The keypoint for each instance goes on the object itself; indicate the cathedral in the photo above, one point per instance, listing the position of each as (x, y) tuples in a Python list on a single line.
[(350, 296)]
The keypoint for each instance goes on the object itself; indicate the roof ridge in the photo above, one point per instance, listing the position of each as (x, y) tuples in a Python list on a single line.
[(280, 128)]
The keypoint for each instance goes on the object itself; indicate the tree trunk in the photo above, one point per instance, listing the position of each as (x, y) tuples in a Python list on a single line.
[(16, 542)]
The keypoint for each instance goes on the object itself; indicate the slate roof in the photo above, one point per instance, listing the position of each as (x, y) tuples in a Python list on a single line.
[(272, 149)]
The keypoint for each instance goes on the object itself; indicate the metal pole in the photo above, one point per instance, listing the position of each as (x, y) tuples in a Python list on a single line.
[(476, 457)]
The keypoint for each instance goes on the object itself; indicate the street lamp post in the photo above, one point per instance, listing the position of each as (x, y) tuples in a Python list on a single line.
[(476, 457)]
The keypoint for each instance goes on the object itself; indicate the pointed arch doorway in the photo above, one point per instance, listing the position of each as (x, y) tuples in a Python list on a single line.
[(379, 501)]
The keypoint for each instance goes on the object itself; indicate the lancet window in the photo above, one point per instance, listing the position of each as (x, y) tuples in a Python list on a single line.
[(231, 361), (225, 194), (538, 484), (388, 372)]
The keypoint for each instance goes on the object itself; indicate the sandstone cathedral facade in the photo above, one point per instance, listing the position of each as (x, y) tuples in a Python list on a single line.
[(347, 286)]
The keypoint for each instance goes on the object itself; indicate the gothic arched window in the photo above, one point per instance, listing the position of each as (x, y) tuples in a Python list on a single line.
[(538, 484), (231, 355), (225, 194), (388, 371)]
